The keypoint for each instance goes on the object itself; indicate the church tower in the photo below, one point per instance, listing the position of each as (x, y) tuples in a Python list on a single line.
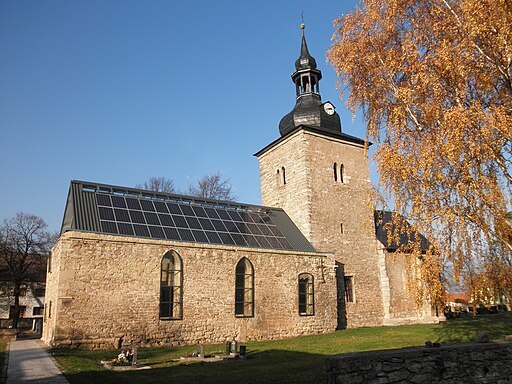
[(320, 177)]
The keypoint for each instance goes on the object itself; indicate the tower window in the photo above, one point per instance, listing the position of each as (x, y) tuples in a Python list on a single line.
[(341, 228), (281, 177), (338, 172), (349, 289), (306, 295), (170, 286), (244, 289)]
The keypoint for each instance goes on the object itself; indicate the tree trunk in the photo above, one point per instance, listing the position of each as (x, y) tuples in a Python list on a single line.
[(17, 291)]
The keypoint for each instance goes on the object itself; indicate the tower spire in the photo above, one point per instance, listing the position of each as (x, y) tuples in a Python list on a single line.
[(305, 60), (309, 109)]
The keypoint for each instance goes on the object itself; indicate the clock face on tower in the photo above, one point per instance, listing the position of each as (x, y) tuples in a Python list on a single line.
[(329, 108)]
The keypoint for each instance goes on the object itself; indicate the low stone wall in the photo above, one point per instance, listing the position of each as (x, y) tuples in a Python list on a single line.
[(456, 363), (7, 335)]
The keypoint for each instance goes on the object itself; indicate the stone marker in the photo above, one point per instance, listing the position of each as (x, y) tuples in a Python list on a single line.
[(134, 356)]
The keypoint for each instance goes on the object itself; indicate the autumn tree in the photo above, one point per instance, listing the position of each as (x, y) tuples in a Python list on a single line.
[(24, 245), (433, 79), (158, 184), (213, 186)]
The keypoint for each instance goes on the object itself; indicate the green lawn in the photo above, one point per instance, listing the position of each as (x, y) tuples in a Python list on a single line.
[(296, 360)]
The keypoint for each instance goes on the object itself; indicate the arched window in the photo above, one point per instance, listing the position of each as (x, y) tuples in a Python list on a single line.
[(283, 176), (171, 280), (306, 295), (244, 289), (338, 172)]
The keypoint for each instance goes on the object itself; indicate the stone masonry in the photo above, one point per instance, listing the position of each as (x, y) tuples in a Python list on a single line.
[(335, 216), (103, 291), (463, 363)]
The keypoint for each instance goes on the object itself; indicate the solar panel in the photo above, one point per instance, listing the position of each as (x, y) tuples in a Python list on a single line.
[(145, 216)]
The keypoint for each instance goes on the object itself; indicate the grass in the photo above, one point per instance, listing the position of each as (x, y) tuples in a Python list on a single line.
[(295, 360)]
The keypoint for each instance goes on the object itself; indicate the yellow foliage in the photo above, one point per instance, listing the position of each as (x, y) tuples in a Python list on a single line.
[(433, 79)]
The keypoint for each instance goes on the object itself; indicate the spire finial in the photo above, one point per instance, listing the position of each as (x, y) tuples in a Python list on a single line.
[(302, 26)]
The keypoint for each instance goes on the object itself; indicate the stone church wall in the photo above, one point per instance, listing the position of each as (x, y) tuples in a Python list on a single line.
[(321, 206), (105, 290), (399, 302), (348, 205), (294, 196)]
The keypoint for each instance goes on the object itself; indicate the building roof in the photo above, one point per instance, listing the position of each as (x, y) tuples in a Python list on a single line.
[(309, 109), (387, 225), (331, 134), (305, 60), (452, 297), (115, 210)]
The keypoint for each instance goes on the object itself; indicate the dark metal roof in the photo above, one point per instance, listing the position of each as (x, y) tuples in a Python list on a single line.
[(335, 135), (305, 60), (114, 210), (309, 110), (387, 225)]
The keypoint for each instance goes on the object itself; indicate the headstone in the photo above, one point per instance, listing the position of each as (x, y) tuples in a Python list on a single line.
[(200, 351), (134, 356), (234, 347)]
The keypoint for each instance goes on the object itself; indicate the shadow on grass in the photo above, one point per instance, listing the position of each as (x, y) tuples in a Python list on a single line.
[(269, 366), (465, 329)]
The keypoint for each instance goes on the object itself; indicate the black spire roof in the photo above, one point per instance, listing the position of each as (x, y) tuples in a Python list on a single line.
[(309, 109), (305, 61)]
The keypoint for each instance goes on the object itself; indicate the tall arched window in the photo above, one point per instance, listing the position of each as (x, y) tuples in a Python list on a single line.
[(171, 280), (338, 170), (244, 289), (306, 295), (283, 175)]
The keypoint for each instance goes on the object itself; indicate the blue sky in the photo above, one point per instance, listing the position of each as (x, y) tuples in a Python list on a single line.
[(118, 91)]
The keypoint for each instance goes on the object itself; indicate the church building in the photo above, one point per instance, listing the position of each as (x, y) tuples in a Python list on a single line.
[(147, 268)]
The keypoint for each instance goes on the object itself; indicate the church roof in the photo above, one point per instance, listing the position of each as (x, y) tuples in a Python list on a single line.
[(332, 134), (305, 60), (309, 109), (114, 210), (386, 226)]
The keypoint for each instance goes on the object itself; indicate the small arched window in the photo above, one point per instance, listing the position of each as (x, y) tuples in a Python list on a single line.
[(283, 176), (306, 295), (335, 169), (342, 171), (244, 288), (171, 280)]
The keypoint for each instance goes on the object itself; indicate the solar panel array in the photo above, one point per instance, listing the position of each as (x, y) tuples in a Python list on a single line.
[(158, 219)]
